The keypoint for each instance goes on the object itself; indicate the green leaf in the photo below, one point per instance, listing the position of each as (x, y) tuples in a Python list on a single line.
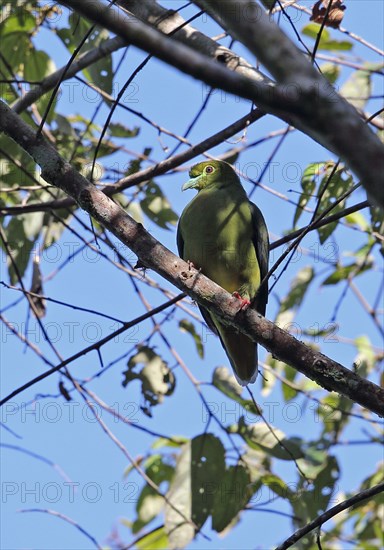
[(357, 218), (100, 72), (308, 185), (207, 472), (37, 66), (199, 472), (179, 531), (377, 221), (231, 498), (121, 131), (154, 540), (188, 326), (273, 441), (333, 185), (335, 45), (21, 234), (365, 361), (157, 469), (134, 210), (310, 503), (15, 172), (135, 164), (175, 441), (331, 413), (289, 392), (20, 21), (225, 382), (149, 505), (330, 71), (326, 42), (277, 485), (14, 47), (342, 273), (358, 87), (156, 206), (157, 380), (298, 289)]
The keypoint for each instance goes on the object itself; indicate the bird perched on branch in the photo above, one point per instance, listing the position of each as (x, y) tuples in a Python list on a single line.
[(224, 234)]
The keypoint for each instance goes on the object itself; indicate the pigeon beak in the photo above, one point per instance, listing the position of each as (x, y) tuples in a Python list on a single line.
[(192, 183)]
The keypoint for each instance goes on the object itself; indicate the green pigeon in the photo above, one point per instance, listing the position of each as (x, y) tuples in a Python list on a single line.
[(224, 234)]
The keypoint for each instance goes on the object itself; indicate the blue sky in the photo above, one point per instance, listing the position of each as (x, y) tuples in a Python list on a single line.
[(88, 463)]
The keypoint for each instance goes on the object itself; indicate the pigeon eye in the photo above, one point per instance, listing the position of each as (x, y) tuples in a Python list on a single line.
[(209, 169)]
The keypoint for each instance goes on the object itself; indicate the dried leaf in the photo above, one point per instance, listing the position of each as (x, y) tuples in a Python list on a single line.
[(334, 15)]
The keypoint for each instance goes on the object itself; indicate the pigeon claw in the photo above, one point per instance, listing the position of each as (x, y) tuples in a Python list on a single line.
[(244, 301)]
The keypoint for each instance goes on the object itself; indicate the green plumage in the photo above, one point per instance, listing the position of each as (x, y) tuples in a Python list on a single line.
[(224, 235)]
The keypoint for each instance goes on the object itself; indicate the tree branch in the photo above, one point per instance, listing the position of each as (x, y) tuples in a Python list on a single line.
[(327, 373), (167, 21), (316, 107), (303, 97), (318, 522)]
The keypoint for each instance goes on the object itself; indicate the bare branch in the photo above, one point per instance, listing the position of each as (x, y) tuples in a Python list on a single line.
[(326, 372)]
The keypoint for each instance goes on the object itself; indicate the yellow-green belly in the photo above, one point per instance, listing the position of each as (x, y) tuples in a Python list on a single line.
[(220, 241)]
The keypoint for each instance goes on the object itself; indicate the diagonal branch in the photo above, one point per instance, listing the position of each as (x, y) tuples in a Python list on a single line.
[(326, 372)]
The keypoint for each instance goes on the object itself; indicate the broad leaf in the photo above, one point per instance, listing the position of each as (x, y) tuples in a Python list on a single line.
[(308, 185), (155, 540), (299, 287), (330, 71), (188, 326), (100, 72), (156, 206), (224, 381), (121, 131), (357, 89), (232, 496), (156, 378), (271, 440), (326, 42)]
